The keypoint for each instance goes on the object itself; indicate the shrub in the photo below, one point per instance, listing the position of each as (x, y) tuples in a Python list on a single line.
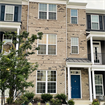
[(71, 102), (37, 99), (9, 100), (29, 95), (95, 102), (61, 97), (55, 101), (21, 100), (46, 97)]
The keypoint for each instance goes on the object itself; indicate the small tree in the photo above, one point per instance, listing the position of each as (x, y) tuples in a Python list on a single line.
[(14, 67)]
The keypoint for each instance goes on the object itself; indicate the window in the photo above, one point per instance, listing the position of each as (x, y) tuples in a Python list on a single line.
[(46, 81), (99, 84), (74, 45), (95, 21), (47, 11), (47, 44), (9, 13), (73, 16), (7, 44)]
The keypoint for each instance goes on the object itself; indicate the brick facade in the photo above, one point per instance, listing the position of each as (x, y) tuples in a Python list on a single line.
[(58, 27)]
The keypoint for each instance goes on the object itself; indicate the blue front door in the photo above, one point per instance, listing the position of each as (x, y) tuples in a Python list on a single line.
[(75, 86)]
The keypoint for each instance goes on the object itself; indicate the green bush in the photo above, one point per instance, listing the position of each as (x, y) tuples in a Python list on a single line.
[(21, 100), (95, 102), (29, 95), (46, 97), (55, 101), (37, 99), (9, 100), (61, 97), (71, 102)]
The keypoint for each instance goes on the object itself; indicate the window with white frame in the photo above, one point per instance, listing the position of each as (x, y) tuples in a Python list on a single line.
[(47, 11), (47, 44), (74, 16), (74, 45), (95, 21), (7, 44), (9, 13), (99, 84), (46, 81)]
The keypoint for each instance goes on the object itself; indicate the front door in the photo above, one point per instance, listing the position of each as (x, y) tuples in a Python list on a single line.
[(75, 86), (97, 52)]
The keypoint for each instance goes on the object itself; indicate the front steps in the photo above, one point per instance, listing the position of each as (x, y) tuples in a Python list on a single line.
[(82, 102)]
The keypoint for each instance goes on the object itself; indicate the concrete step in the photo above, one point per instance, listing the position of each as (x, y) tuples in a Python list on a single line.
[(82, 102)]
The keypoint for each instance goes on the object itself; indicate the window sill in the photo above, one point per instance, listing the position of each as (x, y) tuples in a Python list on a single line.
[(48, 19), (45, 55)]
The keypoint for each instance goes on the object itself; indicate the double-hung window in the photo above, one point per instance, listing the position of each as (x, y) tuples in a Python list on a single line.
[(74, 45), (47, 11), (99, 84), (95, 22), (46, 81), (74, 16), (47, 44), (9, 13)]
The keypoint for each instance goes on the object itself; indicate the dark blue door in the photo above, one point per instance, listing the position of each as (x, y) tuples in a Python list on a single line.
[(75, 86)]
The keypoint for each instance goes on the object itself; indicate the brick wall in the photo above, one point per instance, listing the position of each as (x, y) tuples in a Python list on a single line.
[(49, 62), (77, 30)]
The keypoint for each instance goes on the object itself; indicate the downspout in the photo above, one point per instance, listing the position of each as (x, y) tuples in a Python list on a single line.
[(27, 15), (66, 45)]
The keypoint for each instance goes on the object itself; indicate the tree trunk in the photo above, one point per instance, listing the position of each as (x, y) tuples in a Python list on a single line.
[(11, 95)]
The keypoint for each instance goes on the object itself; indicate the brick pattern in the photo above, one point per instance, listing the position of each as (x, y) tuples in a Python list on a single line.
[(77, 30), (24, 18), (49, 62)]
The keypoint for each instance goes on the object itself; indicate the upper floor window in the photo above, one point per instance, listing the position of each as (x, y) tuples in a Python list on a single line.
[(47, 11), (74, 46), (47, 44), (95, 22), (74, 16), (9, 13)]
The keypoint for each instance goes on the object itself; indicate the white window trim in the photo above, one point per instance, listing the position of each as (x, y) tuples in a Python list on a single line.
[(5, 53), (75, 45), (95, 22), (8, 13), (47, 11), (100, 85), (73, 16), (46, 82), (47, 45)]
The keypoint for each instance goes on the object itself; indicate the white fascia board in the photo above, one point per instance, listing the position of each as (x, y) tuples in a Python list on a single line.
[(76, 64), (49, 1), (10, 25), (24, 2), (77, 5), (98, 67), (19, 2), (99, 11), (96, 34)]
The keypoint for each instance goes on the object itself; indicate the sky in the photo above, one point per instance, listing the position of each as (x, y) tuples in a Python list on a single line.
[(92, 4)]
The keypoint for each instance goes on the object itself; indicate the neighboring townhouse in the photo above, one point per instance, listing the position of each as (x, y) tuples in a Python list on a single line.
[(11, 21), (72, 51)]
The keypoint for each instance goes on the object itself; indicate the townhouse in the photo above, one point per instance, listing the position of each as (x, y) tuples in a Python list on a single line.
[(72, 51)]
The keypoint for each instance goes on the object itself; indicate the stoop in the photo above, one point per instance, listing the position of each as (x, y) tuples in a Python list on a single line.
[(82, 102)]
